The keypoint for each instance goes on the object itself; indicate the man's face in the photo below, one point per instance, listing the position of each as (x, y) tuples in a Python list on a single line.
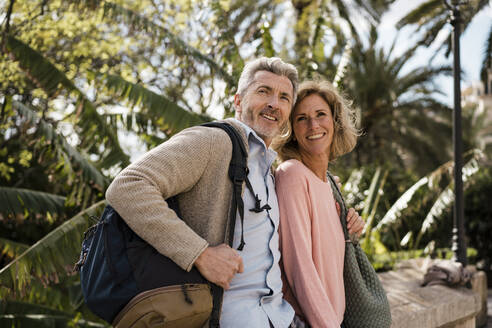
[(266, 104)]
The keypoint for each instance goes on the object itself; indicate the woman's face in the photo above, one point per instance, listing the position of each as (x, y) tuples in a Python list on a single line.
[(313, 125)]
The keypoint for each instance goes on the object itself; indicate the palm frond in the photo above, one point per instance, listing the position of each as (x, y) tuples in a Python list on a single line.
[(44, 321), (16, 307), (432, 15), (342, 65), (415, 16), (370, 216), (140, 23), (487, 61), (344, 13), (65, 295), (26, 314), (90, 174), (371, 193), (18, 201), (351, 187), (373, 8), (446, 198), (44, 260), (402, 203), (44, 74), (11, 248), (174, 118), (432, 180), (378, 191), (267, 41)]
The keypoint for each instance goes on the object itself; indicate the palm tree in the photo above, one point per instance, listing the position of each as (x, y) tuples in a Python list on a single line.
[(432, 15), (62, 76), (438, 198), (320, 21), (400, 119), (45, 179)]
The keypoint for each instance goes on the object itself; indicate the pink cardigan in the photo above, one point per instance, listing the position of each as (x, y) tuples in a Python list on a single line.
[(312, 245)]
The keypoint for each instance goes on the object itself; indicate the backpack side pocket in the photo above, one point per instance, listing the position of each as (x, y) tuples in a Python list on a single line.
[(105, 274)]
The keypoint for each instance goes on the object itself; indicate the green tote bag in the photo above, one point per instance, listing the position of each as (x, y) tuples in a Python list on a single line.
[(366, 304)]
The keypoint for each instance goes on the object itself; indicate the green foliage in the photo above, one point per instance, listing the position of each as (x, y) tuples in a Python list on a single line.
[(438, 198), (432, 15), (20, 201), (487, 61), (388, 261), (24, 314), (44, 260), (478, 214), (41, 320), (68, 155), (137, 22), (44, 74), (266, 49), (170, 117), (76, 76), (399, 118), (10, 249)]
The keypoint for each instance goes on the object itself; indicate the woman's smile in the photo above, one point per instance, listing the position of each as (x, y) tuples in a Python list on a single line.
[(313, 125)]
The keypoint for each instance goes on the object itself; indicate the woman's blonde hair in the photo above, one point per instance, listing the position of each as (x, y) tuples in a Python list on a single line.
[(345, 132)]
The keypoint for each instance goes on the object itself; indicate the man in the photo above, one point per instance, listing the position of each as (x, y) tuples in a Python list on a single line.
[(193, 165)]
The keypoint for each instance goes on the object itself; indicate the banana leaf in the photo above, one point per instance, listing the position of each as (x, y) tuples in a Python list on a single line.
[(174, 117), (46, 76), (90, 174), (51, 257), (18, 201)]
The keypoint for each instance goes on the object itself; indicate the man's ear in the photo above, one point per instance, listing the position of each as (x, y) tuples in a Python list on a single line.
[(237, 103)]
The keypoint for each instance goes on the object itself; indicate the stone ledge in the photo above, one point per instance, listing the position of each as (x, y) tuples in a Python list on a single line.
[(413, 306), (479, 285)]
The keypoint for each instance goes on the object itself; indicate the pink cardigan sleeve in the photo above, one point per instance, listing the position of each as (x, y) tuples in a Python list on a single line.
[(292, 188)]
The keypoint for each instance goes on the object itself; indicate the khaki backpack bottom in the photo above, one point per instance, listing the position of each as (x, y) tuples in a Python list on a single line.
[(180, 306)]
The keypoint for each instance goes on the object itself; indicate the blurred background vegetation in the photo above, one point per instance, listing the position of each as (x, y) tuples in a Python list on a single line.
[(87, 85)]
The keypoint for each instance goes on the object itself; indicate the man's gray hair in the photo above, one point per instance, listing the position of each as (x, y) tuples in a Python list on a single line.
[(272, 64)]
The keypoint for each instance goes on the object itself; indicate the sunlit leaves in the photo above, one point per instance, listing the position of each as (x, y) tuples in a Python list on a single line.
[(174, 118), (67, 154), (43, 73), (141, 23)]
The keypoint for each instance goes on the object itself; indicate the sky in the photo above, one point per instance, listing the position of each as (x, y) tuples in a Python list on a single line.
[(471, 47)]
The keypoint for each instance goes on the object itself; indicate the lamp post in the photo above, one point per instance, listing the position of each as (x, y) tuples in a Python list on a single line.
[(458, 245)]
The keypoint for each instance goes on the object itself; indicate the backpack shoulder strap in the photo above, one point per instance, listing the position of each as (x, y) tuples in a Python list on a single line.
[(238, 173)]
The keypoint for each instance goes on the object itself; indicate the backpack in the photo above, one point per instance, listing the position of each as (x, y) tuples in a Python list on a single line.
[(113, 261)]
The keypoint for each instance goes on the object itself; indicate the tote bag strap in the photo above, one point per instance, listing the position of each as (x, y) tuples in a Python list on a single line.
[(343, 208)]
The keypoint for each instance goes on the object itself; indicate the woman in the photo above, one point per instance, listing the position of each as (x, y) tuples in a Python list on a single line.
[(311, 236)]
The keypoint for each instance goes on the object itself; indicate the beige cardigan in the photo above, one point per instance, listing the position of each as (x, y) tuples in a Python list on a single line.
[(193, 165)]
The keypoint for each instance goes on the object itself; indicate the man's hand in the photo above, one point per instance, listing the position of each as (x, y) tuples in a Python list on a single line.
[(219, 264)]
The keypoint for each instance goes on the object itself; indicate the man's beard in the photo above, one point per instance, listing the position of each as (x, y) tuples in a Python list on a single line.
[(262, 131)]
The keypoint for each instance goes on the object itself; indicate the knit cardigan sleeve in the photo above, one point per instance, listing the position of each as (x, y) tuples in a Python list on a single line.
[(138, 193)]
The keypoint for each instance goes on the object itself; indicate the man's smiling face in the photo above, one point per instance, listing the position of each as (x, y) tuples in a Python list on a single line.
[(266, 104)]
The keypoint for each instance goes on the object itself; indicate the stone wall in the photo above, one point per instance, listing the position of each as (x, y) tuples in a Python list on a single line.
[(414, 306)]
